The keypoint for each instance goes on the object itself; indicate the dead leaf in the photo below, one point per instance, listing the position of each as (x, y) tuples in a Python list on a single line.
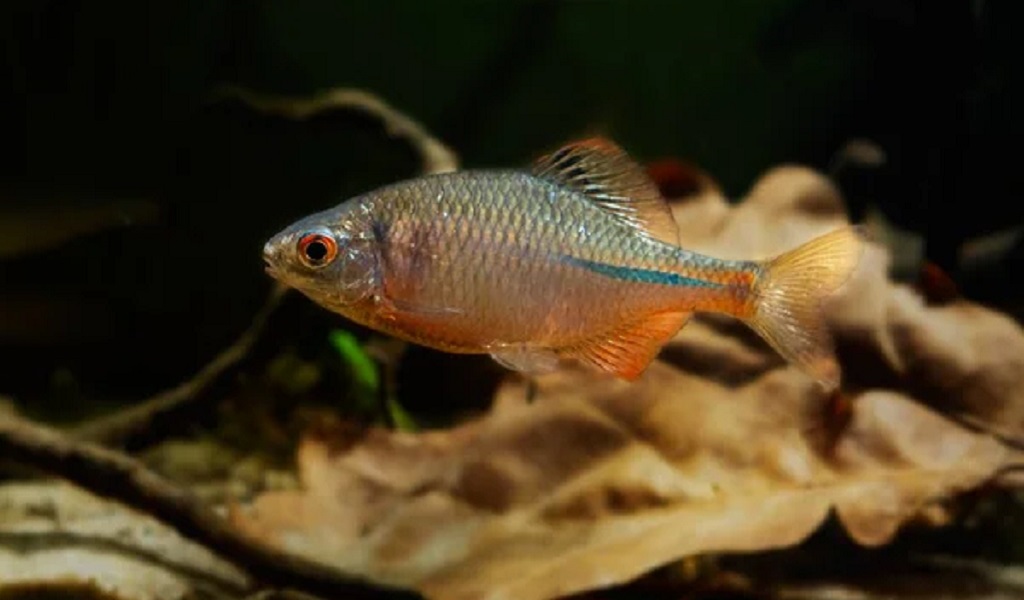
[(961, 357), (599, 481), (719, 447)]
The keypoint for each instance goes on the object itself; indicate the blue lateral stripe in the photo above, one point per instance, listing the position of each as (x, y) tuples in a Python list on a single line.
[(639, 275)]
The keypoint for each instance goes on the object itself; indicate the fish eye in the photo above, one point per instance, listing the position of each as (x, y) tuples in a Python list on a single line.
[(317, 249)]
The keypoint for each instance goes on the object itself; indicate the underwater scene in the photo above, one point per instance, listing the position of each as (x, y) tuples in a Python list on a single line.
[(512, 300)]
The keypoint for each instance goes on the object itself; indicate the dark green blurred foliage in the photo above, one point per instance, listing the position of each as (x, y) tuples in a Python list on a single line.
[(107, 100)]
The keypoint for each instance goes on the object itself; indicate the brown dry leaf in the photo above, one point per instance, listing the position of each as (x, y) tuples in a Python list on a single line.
[(719, 447), (599, 481)]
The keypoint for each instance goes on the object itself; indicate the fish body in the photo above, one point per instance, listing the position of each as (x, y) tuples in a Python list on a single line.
[(575, 258)]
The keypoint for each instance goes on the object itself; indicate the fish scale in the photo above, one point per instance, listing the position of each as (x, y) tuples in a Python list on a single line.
[(504, 248)]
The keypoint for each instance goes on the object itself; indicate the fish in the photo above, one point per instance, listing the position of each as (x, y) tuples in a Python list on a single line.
[(573, 258)]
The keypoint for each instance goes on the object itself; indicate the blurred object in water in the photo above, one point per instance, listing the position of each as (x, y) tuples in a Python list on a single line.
[(35, 225), (983, 251), (854, 168), (857, 152), (989, 280), (906, 247)]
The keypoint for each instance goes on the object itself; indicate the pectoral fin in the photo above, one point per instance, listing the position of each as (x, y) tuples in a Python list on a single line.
[(530, 361)]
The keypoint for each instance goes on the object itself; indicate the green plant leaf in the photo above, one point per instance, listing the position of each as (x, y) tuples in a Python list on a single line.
[(364, 389), (364, 369), (367, 381)]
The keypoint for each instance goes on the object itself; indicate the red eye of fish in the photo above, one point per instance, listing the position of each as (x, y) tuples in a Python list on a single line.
[(317, 249)]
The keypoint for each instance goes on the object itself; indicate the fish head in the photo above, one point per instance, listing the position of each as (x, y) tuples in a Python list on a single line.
[(331, 257)]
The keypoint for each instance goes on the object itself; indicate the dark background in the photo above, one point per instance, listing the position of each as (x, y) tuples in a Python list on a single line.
[(106, 100)]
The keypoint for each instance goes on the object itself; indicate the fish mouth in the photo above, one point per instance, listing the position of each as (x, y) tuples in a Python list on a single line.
[(270, 269), (268, 262)]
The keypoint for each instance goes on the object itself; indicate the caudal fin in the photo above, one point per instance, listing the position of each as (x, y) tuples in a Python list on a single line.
[(788, 297)]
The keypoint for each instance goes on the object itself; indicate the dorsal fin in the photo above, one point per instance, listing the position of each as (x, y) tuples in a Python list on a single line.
[(599, 169)]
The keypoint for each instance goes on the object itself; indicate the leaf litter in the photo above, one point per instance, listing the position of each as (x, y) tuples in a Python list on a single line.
[(719, 448)]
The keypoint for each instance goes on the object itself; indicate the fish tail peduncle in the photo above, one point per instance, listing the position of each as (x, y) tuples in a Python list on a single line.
[(787, 297)]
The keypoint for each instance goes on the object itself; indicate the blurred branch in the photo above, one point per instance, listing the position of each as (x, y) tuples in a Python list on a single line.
[(116, 476), (435, 155), (127, 425)]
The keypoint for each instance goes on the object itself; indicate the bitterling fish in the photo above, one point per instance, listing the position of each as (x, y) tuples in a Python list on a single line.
[(576, 257)]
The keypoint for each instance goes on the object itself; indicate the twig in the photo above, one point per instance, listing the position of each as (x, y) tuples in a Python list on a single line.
[(436, 156), (124, 426), (114, 475)]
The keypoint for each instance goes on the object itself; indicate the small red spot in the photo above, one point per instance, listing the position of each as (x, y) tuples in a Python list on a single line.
[(836, 416), (676, 178), (840, 408), (936, 285)]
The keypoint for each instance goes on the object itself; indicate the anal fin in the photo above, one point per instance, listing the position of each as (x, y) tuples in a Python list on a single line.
[(628, 350)]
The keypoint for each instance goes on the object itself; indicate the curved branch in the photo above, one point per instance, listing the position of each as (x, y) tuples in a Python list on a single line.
[(125, 426), (434, 154)]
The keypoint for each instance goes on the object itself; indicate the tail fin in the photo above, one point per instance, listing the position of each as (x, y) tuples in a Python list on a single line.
[(788, 296)]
